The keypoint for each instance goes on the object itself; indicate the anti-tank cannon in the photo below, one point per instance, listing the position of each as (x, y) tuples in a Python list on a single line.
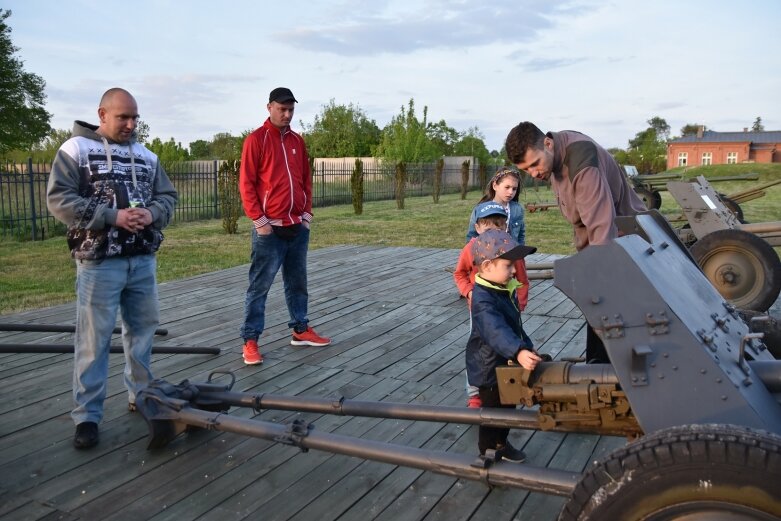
[(695, 392)]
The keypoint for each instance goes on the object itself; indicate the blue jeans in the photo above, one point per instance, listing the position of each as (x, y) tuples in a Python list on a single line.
[(269, 253), (102, 287)]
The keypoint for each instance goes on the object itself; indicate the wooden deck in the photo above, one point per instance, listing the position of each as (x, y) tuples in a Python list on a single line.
[(399, 330)]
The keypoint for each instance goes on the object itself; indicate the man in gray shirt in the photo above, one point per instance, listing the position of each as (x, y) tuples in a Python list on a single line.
[(590, 186)]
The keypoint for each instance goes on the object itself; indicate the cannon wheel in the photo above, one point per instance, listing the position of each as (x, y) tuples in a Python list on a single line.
[(733, 207), (688, 472), (743, 267), (651, 199)]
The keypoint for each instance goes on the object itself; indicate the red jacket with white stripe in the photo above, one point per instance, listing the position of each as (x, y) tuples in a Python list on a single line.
[(275, 179)]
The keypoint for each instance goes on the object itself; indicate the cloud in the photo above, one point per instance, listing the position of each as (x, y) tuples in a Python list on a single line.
[(544, 64), (435, 24), (669, 105)]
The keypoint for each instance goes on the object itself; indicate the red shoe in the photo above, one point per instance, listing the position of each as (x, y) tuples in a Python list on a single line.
[(252, 355), (474, 402), (309, 338)]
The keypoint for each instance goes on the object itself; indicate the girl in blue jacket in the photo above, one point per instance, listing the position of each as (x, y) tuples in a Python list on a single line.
[(503, 189)]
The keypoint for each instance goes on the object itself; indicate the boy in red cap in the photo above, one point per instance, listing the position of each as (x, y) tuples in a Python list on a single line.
[(497, 335)]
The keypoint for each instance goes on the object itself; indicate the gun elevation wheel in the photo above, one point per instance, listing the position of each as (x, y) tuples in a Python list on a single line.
[(685, 473), (743, 267)]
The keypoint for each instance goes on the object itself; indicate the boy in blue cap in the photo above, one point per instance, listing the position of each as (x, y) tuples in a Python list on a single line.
[(488, 216), (497, 334)]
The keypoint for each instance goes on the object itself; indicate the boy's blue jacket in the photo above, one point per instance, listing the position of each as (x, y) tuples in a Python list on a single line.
[(497, 333)]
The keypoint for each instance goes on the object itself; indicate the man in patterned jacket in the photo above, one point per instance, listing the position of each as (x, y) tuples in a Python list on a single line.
[(115, 198)]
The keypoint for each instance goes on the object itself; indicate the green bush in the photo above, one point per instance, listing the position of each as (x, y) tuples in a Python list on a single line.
[(437, 189), (230, 198), (464, 179), (356, 186), (401, 184)]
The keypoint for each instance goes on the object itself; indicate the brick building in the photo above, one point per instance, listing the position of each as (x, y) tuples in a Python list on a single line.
[(723, 148)]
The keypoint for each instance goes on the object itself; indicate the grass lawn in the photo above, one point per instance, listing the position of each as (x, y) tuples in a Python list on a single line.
[(39, 274)]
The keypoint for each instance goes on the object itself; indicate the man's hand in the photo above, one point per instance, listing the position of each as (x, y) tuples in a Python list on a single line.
[(306, 224), (134, 219), (266, 229), (528, 359)]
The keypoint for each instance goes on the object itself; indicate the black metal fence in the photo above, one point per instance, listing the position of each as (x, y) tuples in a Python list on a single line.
[(24, 215)]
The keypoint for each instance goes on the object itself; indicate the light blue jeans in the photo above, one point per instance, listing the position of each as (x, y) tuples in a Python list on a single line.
[(127, 284), (269, 254)]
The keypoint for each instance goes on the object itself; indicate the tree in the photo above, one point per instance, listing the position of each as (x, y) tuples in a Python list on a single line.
[(23, 119), (404, 139), (169, 152), (443, 137), (757, 126), (661, 127), (225, 146), (47, 148), (142, 131), (691, 129), (341, 131), (472, 144), (648, 150), (199, 149)]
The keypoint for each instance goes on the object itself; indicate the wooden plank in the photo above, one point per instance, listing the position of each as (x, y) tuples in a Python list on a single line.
[(399, 331), (169, 485)]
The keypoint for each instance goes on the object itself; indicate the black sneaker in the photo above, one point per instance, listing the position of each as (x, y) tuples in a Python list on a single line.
[(510, 453), (86, 435), (131, 406)]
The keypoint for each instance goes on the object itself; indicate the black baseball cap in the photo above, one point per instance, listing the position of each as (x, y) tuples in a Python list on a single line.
[(281, 95)]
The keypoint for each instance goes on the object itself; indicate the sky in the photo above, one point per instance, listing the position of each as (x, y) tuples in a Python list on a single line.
[(604, 68)]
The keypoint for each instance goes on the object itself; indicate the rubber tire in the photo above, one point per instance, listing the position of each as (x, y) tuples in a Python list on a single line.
[(690, 469), (733, 207), (711, 254), (647, 196)]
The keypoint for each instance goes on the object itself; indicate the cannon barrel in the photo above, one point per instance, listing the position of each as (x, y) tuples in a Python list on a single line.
[(57, 328), (56, 348), (170, 409)]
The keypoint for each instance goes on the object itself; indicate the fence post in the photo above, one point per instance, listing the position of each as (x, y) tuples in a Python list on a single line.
[(216, 191), (32, 195)]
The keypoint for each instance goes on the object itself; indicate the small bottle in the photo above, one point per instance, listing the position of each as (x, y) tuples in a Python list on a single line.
[(136, 199)]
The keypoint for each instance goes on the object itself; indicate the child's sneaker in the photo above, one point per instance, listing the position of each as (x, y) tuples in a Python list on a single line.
[(510, 453), (252, 355), (309, 338), (474, 402)]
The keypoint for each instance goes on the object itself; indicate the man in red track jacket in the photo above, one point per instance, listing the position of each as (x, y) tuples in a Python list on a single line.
[(276, 191)]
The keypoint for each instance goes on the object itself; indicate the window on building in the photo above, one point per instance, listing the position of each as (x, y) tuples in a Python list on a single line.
[(732, 158), (683, 158), (707, 158)]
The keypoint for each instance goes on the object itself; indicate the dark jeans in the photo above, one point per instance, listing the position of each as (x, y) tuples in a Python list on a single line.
[(491, 437), (269, 253)]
